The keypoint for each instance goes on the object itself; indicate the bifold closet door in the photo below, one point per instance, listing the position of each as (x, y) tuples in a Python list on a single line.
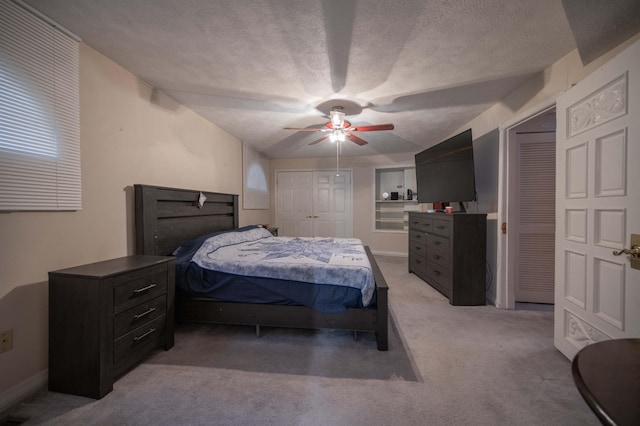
[(314, 203)]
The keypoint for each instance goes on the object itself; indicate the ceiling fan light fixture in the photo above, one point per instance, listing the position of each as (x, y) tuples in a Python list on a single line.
[(338, 136)]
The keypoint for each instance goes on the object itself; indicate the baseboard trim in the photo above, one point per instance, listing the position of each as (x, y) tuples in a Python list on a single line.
[(22, 390), (390, 253)]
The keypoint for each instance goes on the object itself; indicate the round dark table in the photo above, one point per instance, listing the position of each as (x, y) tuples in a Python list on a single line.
[(607, 375)]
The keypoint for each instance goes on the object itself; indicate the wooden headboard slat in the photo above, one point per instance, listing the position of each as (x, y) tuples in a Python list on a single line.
[(169, 209), (175, 194), (166, 217), (179, 230)]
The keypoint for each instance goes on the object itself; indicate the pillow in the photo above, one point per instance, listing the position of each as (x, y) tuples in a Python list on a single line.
[(186, 250)]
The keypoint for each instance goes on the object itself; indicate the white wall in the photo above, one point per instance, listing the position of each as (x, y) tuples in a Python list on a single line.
[(130, 133)]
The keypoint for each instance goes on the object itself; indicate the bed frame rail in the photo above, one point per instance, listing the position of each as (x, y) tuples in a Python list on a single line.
[(374, 320)]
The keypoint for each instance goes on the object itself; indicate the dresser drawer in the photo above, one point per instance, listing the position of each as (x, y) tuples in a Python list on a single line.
[(418, 265), (139, 338), (417, 248), (417, 236), (441, 227), (140, 287), (439, 257), (438, 244), (138, 315), (420, 222), (440, 275)]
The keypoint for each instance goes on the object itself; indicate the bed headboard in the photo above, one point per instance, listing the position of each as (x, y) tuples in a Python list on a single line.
[(166, 217)]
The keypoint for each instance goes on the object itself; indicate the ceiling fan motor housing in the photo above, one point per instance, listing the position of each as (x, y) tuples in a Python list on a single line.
[(337, 117)]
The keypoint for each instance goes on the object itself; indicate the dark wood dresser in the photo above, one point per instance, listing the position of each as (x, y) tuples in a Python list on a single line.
[(106, 317), (448, 252)]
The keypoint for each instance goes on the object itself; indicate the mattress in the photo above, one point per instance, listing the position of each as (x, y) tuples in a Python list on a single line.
[(250, 265)]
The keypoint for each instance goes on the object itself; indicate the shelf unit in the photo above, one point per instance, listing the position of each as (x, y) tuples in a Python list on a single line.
[(393, 215)]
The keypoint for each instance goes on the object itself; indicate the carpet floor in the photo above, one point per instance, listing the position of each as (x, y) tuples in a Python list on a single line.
[(446, 365)]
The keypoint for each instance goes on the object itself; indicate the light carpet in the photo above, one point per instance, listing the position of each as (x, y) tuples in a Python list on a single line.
[(447, 365)]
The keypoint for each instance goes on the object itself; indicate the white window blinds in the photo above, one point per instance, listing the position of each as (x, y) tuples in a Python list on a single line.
[(39, 114)]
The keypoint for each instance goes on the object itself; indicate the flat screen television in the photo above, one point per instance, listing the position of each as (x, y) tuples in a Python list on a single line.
[(445, 172)]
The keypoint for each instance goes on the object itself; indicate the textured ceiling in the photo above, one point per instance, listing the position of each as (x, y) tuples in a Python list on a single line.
[(254, 67)]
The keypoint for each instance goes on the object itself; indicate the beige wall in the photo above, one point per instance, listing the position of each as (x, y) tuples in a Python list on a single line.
[(130, 133), (363, 171), (550, 83)]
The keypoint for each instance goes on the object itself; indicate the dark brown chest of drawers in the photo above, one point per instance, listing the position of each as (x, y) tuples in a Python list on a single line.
[(106, 317), (448, 252)]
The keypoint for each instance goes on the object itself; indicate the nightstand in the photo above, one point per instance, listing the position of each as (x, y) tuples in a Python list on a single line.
[(105, 318)]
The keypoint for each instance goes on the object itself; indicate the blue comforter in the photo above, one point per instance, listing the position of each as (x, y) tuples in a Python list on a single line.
[(323, 273)]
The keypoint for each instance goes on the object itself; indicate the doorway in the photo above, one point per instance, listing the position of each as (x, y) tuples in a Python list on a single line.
[(527, 209), (533, 210)]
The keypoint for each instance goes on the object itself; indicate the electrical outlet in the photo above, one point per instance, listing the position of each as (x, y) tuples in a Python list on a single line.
[(6, 340)]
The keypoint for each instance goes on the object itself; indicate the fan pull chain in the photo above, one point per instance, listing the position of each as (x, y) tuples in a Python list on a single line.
[(337, 158)]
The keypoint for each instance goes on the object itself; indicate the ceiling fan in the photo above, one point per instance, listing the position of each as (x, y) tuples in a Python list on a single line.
[(339, 129)]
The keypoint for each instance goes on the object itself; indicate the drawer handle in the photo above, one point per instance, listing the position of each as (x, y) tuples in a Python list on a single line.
[(438, 273), (436, 256), (143, 289), (441, 227), (144, 314), (151, 330), (436, 243)]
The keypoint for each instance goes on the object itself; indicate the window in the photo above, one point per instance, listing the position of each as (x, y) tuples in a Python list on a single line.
[(39, 113)]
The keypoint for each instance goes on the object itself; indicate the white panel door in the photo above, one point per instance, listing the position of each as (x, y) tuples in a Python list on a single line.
[(597, 294), (332, 204), (314, 204), (294, 204)]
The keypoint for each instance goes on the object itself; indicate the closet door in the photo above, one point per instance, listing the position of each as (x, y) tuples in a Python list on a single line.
[(535, 224), (332, 204), (314, 204), (294, 204)]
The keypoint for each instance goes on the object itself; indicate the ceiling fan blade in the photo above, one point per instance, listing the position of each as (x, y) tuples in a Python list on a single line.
[(355, 139), (304, 129), (372, 128), (319, 140)]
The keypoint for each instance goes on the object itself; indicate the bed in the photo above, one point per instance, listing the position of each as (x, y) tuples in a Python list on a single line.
[(167, 218)]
